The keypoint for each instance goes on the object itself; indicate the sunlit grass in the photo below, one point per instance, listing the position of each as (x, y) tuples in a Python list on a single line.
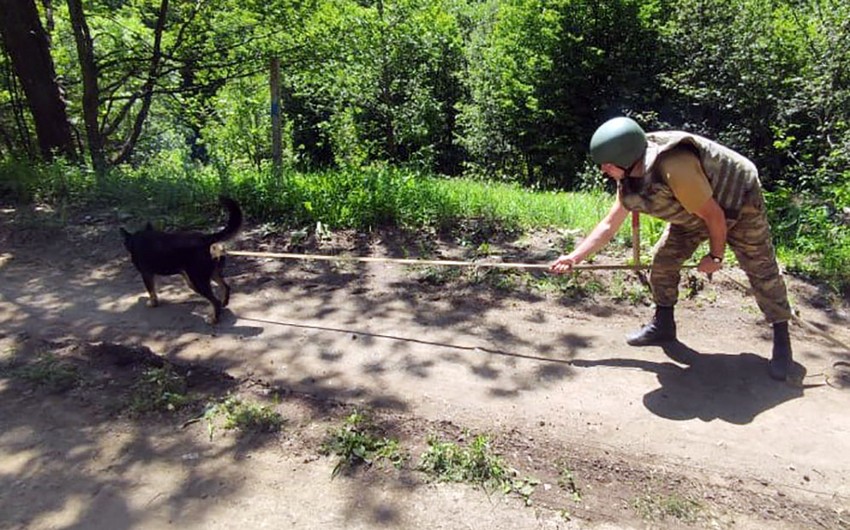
[(174, 193)]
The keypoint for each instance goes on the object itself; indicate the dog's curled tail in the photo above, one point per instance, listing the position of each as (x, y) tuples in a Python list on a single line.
[(234, 221)]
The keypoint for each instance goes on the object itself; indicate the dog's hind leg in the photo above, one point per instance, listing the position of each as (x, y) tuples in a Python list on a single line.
[(218, 278), (150, 285), (203, 287)]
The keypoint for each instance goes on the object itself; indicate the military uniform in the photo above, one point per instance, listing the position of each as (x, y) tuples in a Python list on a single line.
[(680, 171)]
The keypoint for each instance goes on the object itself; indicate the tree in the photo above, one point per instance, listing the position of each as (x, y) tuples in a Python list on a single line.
[(28, 47)]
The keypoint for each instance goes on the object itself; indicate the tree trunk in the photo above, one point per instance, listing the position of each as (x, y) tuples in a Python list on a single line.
[(29, 50), (147, 89), (274, 82), (91, 92)]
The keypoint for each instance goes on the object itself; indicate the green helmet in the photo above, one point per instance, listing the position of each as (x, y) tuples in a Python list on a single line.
[(619, 141)]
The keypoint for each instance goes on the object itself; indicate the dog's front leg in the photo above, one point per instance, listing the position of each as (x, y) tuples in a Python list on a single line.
[(150, 285)]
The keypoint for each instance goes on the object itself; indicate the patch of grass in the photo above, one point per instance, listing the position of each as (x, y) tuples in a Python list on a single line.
[(359, 441), (159, 390), (46, 371), (567, 482), (235, 414), (657, 507), (437, 275), (575, 286), (476, 464), (500, 279), (813, 238), (622, 288), (694, 284)]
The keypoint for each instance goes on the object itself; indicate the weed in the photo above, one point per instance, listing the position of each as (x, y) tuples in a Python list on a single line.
[(622, 289), (484, 250), (438, 275), (159, 390), (476, 464), (655, 507), (496, 278), (566, 481), (693, 285), (358, 441), (49, 372), (577, 286), (242, 416), (449, 462)]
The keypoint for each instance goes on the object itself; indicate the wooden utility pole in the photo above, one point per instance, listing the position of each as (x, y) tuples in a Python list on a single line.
[(274, 81)]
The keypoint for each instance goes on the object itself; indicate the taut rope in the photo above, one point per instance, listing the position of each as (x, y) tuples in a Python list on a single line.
[(405, 261)]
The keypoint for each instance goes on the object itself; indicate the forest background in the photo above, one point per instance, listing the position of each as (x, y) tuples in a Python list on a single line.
[(419, 113)]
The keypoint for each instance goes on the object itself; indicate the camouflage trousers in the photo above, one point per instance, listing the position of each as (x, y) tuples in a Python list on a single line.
[(748, 237)]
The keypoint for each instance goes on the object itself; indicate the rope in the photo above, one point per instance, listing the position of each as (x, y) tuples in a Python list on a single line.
[(505, 265), (450, 263)]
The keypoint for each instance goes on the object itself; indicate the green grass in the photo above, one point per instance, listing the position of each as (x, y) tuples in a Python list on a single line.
[(244, 416), (159, 390), (358, 441), (170, 193), (45, 371), (657, 507), (567, 482), (474, 463)]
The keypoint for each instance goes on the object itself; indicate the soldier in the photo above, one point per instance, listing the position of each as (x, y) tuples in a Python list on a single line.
[(705, 191)]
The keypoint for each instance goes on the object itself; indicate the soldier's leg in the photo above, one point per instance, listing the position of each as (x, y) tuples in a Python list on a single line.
[(750, 239), (676, 245)]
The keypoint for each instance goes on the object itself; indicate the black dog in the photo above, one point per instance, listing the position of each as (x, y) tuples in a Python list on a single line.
[(187, 253)]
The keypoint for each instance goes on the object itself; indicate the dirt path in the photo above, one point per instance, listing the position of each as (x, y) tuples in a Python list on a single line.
[(549, 379)]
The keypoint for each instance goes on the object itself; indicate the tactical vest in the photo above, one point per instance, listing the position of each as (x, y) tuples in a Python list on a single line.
[(730, 175)]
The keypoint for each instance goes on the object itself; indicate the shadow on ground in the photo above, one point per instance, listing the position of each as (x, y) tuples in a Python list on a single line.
[(710, 386)]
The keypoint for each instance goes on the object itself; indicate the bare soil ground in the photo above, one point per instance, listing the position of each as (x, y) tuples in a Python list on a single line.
[(692, 435)]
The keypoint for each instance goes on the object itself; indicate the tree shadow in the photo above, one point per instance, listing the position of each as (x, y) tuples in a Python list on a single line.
[(710, 386)]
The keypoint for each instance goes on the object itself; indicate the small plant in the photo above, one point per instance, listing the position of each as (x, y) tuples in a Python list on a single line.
[(242, 416), (159, 390), (449, 462), (438, 275), (49, 372), (576, 286), (566, 481), (693, 285), (476, 464), (622, 289), (484, 250), (492, 277), (653, 507), (358, 442)]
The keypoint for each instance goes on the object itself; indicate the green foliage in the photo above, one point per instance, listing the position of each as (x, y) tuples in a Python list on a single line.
[(657, 507), (159, 390), (235, 414), (57, 182), (359, 441), (624, 288), (813, 236), (382, 84), (567, 482), (542, 75), (475, 463), (46, 371), (811, 229)]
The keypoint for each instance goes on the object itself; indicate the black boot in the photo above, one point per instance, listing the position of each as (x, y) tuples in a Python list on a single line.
[(662, 329), (780, 363)]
